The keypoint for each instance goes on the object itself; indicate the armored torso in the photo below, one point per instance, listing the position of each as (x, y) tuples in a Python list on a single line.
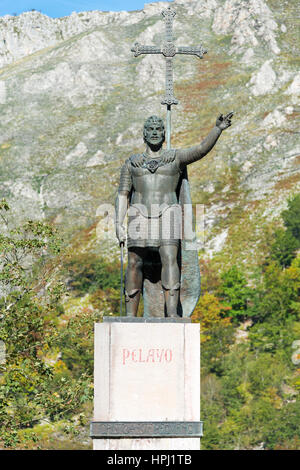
[(154, 182)]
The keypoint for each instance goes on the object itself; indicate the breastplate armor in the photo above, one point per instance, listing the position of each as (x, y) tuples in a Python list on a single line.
[(154, 184)]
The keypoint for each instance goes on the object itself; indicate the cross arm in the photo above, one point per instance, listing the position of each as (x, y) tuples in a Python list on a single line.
[(199, 51), (140, 49)]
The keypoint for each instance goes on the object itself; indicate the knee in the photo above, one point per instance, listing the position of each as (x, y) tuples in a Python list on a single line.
[(169, 259), (134, 264)]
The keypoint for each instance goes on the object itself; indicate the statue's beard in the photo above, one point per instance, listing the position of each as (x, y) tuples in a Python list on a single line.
[(155, 146)]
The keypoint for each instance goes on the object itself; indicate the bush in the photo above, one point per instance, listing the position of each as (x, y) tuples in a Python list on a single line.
[(87, 274), (291, 216), (284, 248), (235, 293)]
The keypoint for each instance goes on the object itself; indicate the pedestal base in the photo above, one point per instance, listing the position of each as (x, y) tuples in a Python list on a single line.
[(147, 444), (147, 373)]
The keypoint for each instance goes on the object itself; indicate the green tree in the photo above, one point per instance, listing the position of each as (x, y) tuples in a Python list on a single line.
[(291, 216), (277, 297), (32, 386), (87, 274), (284, 248), (284, 433), (287, 241), (235, 293)]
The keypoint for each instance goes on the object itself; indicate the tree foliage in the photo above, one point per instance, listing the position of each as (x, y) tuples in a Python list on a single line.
[(33, 386), (291, 216), (250, 384), (234, 292), (287, 242), (250, 392)]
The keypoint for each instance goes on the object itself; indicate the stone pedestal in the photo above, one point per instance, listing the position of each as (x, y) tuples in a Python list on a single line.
[(147, 385)]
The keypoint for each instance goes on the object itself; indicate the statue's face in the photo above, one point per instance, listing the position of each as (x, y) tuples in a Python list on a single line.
[(154, 133)]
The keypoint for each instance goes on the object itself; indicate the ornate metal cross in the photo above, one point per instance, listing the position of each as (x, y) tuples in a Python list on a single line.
[(169, 50)]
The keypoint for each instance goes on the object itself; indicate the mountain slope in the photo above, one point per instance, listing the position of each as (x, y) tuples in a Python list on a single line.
[(73, 102)]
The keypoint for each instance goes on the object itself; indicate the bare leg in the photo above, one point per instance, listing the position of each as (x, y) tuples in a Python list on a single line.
[(133, 282), (170, 277)]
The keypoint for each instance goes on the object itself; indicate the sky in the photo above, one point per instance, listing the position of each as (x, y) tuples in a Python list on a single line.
[(58, 8)]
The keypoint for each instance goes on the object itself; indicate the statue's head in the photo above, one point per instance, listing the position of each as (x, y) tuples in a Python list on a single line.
[(154, 131)]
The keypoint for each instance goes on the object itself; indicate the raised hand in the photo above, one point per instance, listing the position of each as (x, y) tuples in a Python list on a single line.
[(224, 121)]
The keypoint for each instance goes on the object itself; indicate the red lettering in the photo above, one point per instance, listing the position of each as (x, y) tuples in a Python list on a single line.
[(168, 355), (126, 354), (151, 355), (140, 356), (133, 355), (159, 354)]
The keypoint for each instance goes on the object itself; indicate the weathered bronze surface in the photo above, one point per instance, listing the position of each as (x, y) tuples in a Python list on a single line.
[(153, 185), (162, 255)]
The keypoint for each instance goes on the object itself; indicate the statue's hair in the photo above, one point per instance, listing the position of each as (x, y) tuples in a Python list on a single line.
[(153, 120)]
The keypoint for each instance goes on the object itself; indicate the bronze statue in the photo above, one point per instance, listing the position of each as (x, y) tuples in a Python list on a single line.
[(151, 186)]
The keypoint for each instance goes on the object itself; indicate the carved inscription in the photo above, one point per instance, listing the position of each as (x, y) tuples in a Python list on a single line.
[(147, 429), (158, 355)]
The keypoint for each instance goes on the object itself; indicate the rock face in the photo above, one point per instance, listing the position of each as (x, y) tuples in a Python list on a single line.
[(73, 101), (250, 23), (294, 88), (264, 80), (32, 31)]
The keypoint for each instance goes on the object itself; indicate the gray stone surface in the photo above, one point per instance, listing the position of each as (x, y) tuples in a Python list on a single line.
[(137, 429), (147, 372), (146, 320)]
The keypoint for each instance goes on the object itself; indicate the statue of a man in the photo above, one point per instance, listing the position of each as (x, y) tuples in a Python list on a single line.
[(149, 187)]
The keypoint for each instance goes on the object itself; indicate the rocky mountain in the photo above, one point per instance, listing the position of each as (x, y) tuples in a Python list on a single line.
[(73, 100)]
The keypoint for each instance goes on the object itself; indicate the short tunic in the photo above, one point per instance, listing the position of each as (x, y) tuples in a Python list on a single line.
[(145, 231)]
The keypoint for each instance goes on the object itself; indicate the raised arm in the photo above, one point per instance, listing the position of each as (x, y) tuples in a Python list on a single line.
[(122, 202), (195, 153)]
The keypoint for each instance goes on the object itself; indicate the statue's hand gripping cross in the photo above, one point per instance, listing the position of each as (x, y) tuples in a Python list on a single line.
[(169, 50)]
